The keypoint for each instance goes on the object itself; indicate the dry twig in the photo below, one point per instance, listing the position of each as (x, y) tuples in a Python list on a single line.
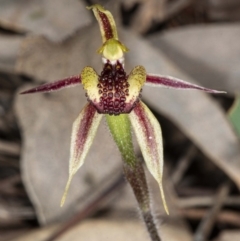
[(206, 225)]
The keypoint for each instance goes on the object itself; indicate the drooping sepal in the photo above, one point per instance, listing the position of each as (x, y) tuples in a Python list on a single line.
[(106, 22), (120, 129), (83, 132), (157, 80), (148, 133), (54, 86)]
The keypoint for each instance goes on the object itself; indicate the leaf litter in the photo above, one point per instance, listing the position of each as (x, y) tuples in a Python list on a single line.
[(192, 118)]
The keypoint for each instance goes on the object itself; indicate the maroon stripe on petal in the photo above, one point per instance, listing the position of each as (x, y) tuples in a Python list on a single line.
[(83, 131), (147, 128), (106, 25), (84, 127), (171, 82), (148, 133), (54, 86)]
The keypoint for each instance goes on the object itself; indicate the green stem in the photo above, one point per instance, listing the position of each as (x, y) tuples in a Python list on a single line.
[(137, 179), (121, 131)]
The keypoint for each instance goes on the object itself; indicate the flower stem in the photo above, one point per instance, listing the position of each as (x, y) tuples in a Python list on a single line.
[(137, 179), (120, 129)]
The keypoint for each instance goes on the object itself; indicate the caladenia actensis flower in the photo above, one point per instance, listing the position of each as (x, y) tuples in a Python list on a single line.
[(116, 95)]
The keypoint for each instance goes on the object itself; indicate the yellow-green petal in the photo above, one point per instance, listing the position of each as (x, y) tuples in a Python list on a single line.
[(149, 136), (90, 81), (136, 80), (83, 132)]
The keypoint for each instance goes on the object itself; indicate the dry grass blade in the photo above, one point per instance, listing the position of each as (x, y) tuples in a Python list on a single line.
[(225, 217), (200, 201), (102, 199), (223, 10), (154, 11), (208, 69), (10, 148), (206, 225), (184, 163), (9, 49)]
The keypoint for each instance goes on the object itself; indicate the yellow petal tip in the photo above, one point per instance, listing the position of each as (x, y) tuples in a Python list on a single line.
[(166, 208), (63, 200), (98, 6), (65, 192), (163, 199)]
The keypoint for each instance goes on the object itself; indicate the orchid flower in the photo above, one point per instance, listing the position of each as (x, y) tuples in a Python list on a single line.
[(116, 95)]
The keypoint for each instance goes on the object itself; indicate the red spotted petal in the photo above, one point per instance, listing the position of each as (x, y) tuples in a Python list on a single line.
[(157, 80), (54, 86)]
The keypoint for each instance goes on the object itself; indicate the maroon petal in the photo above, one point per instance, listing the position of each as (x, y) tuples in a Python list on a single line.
[(57, 85), (171, 82)]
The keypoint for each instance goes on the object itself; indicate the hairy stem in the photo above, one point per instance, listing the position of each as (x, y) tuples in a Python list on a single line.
[(137, 179), (120, 129)]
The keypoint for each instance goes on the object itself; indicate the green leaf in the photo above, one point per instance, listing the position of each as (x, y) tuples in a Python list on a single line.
[(234, 115)]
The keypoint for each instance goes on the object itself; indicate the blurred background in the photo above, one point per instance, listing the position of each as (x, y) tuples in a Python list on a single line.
[(47, 40)]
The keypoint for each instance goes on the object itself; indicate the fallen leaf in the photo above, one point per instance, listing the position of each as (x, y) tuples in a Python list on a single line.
[(63, 59), (150, 11), (9, 50), (228, 235), (54, 19), (221, 10), (209, 54)]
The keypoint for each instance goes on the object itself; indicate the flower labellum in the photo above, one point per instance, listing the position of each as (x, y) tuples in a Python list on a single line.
[(116, 95)]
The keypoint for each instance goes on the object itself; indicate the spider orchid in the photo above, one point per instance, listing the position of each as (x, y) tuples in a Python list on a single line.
[(116, 95)]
